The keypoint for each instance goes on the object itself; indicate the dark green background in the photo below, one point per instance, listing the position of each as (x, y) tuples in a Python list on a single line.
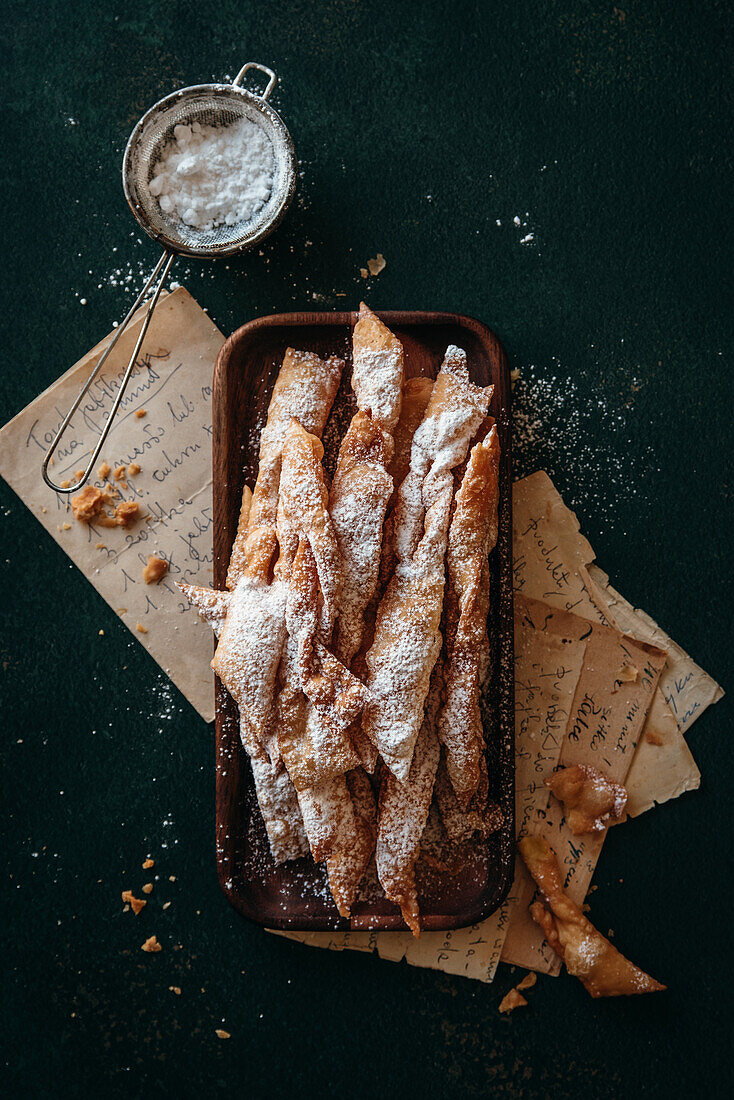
[(417, 126)]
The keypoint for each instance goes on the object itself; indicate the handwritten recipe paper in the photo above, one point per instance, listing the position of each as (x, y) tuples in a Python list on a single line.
[(172, 385), (573, 631)]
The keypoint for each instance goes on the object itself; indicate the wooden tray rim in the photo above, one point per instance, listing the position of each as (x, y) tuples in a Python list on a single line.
[(389, 922)]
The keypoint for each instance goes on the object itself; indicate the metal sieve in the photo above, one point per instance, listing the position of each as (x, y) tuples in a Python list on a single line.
[(213, 105)]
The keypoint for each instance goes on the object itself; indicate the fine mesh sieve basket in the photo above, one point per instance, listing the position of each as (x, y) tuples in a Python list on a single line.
[(217, 105)]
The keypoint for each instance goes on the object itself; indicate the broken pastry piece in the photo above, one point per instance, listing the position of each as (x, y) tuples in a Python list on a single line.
[(588, 955), (591, 801)]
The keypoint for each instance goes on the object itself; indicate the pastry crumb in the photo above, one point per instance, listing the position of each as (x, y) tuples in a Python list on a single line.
[(171, 878), (151, 944), (133, 469), (140, 413), (79, 475), (66, 526), (120, 472), (141, 629), (101, 632), (66, 484), (364, 272), (148, 888), (377, 265), (104, 471), (511, 1001), (148, 863), (155, 569), (136, 904), (127, 512), (222, 1034), (175, 989), (88, 504), (99, 546), (165, 905), (528, 981)]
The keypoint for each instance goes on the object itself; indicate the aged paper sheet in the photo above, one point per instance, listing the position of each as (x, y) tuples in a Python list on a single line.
[(172, 444)]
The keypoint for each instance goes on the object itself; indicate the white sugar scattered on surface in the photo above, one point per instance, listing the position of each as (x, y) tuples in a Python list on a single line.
[(556, 429)]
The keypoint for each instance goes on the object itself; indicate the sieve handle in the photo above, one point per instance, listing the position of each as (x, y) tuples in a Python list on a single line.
[(160, 272), (272, 78)]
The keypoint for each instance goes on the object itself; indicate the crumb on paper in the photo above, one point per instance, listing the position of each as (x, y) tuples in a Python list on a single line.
[(136, 904), (528, 981), (66, 484), (88, 504), (151, 944), (121, 611), (79, 475), (141, 629), (140, 413), (512, 1000), (222, 1034), (148, 888), (99, 546), (127, 512), (104, 471), (377, 265), (155, 570), (628, 674), (653, 738), (120, 472), (175, 989), (133, 469), (66, 526), (148, 863)]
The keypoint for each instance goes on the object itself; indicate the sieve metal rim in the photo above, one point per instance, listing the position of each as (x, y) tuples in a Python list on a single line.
[(218, 91)]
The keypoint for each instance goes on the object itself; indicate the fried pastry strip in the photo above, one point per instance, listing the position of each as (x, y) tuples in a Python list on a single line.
[(339, 818), (305, 389), (479, 818), (251, 642), (357, 503), (313, 737), (587, 954), (403, 813), (472, 536), (406, 644), (275, 792), (454, 412), (591, 801), (378, 364)]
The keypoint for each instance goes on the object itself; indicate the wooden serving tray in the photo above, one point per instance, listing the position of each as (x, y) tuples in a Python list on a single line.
[(295, 895)]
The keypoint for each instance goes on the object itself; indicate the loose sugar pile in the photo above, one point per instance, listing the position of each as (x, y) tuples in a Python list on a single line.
[(210, 176)]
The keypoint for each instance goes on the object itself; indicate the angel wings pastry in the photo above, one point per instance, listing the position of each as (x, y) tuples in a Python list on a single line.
[(352, 632)]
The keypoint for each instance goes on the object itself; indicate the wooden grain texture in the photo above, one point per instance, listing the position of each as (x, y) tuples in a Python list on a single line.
[(295, 895)]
